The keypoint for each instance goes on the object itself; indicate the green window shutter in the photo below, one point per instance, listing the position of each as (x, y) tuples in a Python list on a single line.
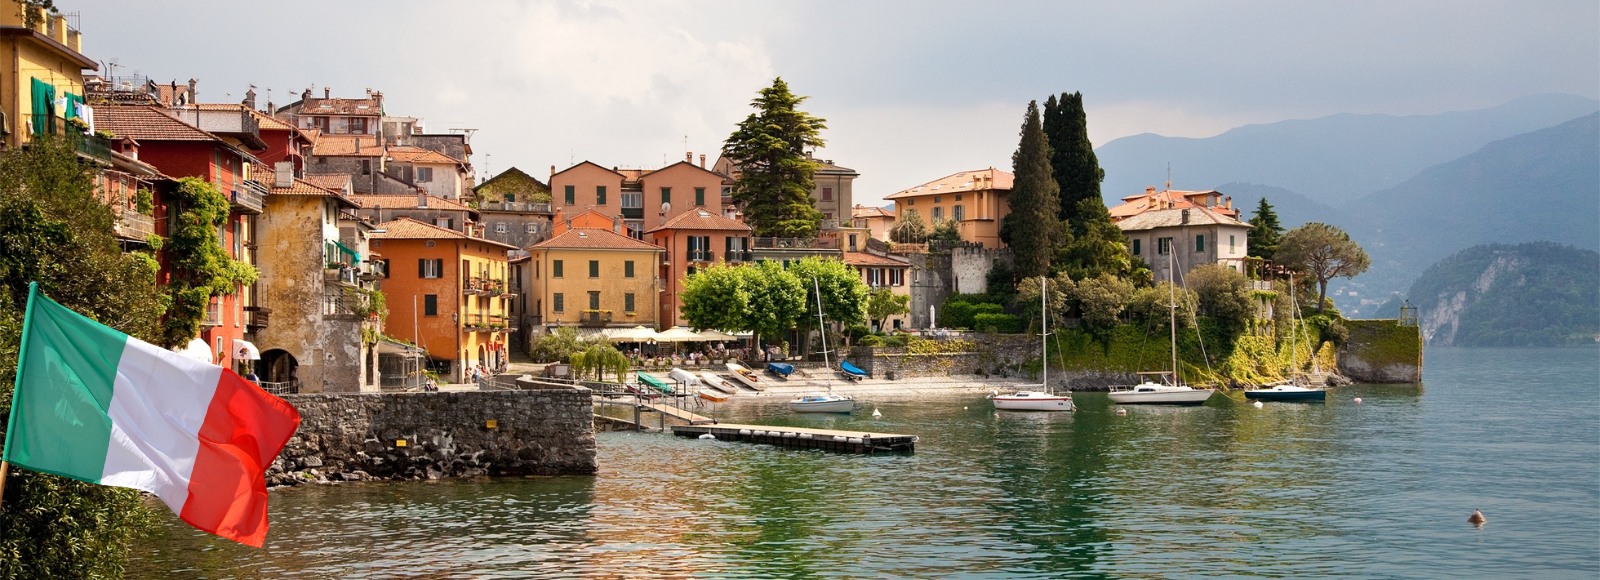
[(666, 195), (1136, 247), (627, 302), (430, 305), (559, 302), (555, 269), (599, 195), (594, 268), (627, 269), (699, 196), (1200, 243), (571, 194)]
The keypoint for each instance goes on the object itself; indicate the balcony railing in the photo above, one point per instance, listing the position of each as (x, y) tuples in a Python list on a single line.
[(594, 317), (793, 243), (701, 256), (135, 225), (522, 206), (480, 322), (92, 146), (484, 287), (249, 197), (739, 256), (832, 224), (633, 213), (256, 316)]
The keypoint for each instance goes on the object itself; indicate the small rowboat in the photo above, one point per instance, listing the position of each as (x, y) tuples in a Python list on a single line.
[(653, 381), (780, 369), (745, 376), (716, 382), (687, 378), (713, 397)]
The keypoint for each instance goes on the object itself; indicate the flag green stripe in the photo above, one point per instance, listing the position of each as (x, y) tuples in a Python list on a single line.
[(60, 422)]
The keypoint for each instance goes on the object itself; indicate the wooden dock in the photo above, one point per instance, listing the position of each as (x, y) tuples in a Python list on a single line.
[(678, 413), (804, 438)]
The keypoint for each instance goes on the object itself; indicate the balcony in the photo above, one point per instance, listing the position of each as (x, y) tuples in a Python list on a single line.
[(516, 206), (249, 197), (480, 322), (594, 318), (701, 256), (739, 256), (633, 213), (93, 147), (135, 226), (832, 224), (256, 317)]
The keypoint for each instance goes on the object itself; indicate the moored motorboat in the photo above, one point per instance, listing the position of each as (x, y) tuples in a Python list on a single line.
[(655, 382), (745, 376), (1284, 392), (822, 403)]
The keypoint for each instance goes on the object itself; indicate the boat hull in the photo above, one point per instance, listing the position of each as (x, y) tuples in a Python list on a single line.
[(1194, 397), (1289, 396), (832, 406), (1031, 403)]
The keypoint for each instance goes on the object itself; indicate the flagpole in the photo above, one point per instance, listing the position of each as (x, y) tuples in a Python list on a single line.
[(22, 356)]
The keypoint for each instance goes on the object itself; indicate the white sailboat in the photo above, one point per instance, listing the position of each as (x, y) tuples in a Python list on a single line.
[(1163, 387), (1291, 390), (822, 402), (1041, 398)]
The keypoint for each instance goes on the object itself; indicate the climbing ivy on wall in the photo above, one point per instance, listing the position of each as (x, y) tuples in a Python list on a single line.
[(201, 268)]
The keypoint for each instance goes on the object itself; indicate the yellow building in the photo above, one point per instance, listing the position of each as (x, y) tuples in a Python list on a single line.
[(976, 200), (446, 292), (41, 74), (594, 278)]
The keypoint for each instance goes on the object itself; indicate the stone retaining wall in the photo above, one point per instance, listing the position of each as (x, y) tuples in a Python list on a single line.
[(442, 434), (1381, 351)]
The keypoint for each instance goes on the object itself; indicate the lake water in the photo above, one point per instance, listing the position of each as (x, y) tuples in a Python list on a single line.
[(1377, 489)]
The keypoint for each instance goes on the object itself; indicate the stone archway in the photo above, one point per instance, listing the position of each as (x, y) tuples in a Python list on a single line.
[(278, 366)]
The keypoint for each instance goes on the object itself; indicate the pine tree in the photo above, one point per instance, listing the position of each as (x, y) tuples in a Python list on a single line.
[(1265, 232), (1034, 200), (1072, 160), (775, 174)]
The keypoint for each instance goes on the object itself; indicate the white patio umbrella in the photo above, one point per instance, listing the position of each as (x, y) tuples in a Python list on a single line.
[(640, 333), (197, 349), (713, 335), (678, 334)]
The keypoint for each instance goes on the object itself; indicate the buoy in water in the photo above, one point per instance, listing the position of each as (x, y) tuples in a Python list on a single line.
[(1257, 404), (875, 413), (1358, 400), (1477, 518), (707, 436), (1121, 411)]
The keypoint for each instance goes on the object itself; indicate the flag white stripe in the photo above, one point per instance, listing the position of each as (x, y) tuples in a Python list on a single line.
[(158, 403)]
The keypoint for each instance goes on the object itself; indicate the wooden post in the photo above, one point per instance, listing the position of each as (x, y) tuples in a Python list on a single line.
[(5, 469)]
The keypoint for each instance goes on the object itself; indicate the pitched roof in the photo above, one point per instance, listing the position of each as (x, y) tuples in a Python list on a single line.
[(1166, 199), (593, 239), (871, 212), (303, 187), (514, 173), (333, 181), (869, 259), (980, 180), (146, 123), (353, 145), (408, 154), (409, 229), (581, 164), (702, 220), (335, 106), (1160, 218), (410, 202)]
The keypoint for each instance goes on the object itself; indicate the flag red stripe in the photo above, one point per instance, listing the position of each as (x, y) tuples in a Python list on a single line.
[(244, 430)]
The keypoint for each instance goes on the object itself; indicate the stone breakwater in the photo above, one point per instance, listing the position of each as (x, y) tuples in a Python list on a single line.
[(354, 437)]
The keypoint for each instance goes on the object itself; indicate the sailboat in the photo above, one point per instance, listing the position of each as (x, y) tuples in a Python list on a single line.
[(1163, 387), (1290, 390), (822, 402), (1040, 399)]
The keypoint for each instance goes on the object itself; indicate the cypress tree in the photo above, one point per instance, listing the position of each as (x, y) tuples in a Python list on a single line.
[(1075, 168), (1035, 199), (1265, 232), (775, 175)]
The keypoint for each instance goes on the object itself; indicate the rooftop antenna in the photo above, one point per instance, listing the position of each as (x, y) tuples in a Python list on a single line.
[(1169, 176)]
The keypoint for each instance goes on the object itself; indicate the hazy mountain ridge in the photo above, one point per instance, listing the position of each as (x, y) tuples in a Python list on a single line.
[(1533, 294)]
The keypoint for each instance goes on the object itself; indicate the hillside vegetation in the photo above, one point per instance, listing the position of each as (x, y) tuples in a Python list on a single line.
[(1533, 294)]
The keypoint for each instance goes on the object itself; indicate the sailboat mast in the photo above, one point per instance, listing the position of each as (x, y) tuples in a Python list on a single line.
[(1172, 313), (821, 328), (1044, 345)]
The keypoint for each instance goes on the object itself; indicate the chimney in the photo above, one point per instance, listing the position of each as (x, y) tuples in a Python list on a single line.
[(327, 93), (1151, 190), (688, 157), (250, 98), (283, 174), (552, 171), (422, 199), (1185, 216), (193, 96), (702, 161), (1227, 202), (306, 95)]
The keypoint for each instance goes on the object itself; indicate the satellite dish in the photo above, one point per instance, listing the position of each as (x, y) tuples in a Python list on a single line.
[(666, 207)]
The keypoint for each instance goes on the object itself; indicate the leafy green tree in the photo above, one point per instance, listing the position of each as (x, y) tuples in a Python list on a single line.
[(1034, 200), (946, 231), (1153, 305), (844, 295), (53, 230), (1099, 247), (1059, 287), (1076, 169), (561, 344), (762, 298), (1101, 301), (775, 174), (909, 229), (1225, 296), (1324, 252), (201, 268), (599, 358), (883, 303), (1265, 232)]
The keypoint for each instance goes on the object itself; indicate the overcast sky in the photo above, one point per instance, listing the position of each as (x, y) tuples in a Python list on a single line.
[(911, 90)]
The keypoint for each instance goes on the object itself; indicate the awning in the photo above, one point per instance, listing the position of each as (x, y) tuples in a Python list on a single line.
[(386, 346), (354, 255), (245, 350), (197, 350)]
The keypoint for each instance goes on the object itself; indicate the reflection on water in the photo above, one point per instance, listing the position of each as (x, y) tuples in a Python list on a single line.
[(1380, 488)]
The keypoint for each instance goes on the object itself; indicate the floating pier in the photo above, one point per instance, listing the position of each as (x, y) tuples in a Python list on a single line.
[(803, 438)]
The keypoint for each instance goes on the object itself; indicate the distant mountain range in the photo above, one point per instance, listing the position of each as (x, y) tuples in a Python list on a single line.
[(1410, 190), (1535, 294)]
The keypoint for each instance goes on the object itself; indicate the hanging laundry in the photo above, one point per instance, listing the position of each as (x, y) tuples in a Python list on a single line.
[(86, 113)]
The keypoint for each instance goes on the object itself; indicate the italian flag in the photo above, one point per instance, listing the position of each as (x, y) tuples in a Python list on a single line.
[(96, 405)]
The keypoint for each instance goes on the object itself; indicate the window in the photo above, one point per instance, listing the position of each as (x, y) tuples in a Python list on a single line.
[(959, 212), (938, 214), (627, 269), (632, 199), (443, 222), (571, 195), (852, 242), (1136, 247), (511, 197), (666, 195), (594, 300), (594, 268), (627, 303), (383, 267), (827, 194), (530, 228), (500, 228), (1230, 243), (430, 268), (599, 195), (911, 202), (358, 125), (555, 268), (366, 167), (430, 305), (424, 174), (699, 196), (1163, 246), (558, 302), (897, 277), (1200, 243)]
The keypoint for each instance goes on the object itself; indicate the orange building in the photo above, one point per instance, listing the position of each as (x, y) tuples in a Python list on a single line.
[(446, 292), (876, 220), (644, 199), (1169, 198), (695, 240), (976, 200)]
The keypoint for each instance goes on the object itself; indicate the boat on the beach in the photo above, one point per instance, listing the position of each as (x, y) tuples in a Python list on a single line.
[(822, 403), (1039, 398), (715, 381), (655, 382), (851, 371), (687, 378), (744, 375), (712, 396)]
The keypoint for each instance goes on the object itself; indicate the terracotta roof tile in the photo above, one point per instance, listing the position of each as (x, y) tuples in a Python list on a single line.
[(868, 259), (302, 187), (702, 220), (334, 106), (407, 154), (334, 181), (410, 202), (146, 123), (352, 145), (980, 180), (410, 229), (593, 239), (1166, 199), (871, 212), (1161, 218)]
